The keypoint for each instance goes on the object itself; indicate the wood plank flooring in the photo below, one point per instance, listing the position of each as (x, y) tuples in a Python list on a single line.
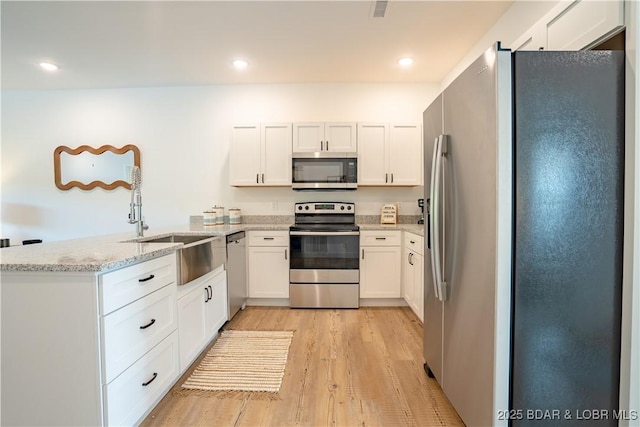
[(346, 367)]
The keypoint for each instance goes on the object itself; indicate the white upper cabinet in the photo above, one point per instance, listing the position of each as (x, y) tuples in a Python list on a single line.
[(324, 136), (389, 154), (574, 25), (261, 155)]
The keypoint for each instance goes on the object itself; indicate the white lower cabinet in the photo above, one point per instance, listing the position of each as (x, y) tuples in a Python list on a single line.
[(413, 273), (380, 264), (137, 389), (268, 264), (79, 347), (202, 310)]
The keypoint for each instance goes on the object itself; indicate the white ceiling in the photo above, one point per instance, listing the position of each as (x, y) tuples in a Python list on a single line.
[(110, 44)]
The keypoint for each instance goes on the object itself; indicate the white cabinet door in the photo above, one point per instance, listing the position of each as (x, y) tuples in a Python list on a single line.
[(320, 136), (380, 272), (583, 23), (215, 304), (245, 156), (372, 159), (268, 272), (408, 276), (191, 325), (340, 137), (308, 137), (405, 154), (413, 283), (276, 154), (573, 25), (261, 155), (389, 154)]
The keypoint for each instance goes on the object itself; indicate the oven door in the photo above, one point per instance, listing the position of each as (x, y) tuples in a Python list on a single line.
[(324, 257)]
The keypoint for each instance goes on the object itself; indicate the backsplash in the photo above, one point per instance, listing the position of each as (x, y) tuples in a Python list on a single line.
[(197, 220)]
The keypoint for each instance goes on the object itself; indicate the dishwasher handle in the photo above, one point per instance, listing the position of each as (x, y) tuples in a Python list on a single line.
[(235, 237)]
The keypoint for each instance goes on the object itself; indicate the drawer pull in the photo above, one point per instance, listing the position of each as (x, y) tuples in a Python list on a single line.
[(412, 242), (381, 238), (146, 279), (148, 324), (267, 238), (146, 383)]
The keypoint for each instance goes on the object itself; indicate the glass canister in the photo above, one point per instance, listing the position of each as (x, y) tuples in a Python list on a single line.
[(235, 216)]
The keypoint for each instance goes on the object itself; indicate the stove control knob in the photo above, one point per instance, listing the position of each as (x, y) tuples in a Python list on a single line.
[(306, 207), (342, 207), (349, 207), (299, 208)]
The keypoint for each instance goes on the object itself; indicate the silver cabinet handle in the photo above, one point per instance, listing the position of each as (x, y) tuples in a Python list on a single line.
[(321, 146), (410, 258)]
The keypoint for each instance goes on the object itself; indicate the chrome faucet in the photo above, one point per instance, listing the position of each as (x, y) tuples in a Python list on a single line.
[(135, 212)]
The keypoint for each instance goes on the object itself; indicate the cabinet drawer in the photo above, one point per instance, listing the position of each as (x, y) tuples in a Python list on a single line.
[(121, 287), (414, 242), (380, 238), (268, 238), (127, 398), (133, 330)]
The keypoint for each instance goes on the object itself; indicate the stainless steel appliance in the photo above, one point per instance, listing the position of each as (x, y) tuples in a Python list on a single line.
[(200, 255), (325, 171), (324, 264), (524, 156), (236, 272)]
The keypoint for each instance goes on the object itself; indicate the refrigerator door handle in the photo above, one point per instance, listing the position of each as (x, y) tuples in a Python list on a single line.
[(442, 194), (434, 220)]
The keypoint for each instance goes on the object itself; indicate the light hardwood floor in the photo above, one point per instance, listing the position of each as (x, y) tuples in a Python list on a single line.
[(346, 367)]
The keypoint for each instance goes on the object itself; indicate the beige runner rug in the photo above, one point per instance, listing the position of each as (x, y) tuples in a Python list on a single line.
[(243, 361)]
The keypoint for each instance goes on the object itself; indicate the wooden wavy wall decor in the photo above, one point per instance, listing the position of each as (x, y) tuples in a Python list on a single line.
[(96, 151)]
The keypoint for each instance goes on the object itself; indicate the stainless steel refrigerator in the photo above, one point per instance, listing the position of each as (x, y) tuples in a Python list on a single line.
[(524, 170)]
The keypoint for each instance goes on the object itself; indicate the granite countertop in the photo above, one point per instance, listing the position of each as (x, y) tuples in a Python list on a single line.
[(413, 228), (109, 252), (100, 254)]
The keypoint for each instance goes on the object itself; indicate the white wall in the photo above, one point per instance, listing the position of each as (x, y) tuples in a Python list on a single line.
[(517, 19), (183, 134)]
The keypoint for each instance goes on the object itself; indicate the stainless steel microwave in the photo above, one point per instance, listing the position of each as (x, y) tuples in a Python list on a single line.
[(325, 171)]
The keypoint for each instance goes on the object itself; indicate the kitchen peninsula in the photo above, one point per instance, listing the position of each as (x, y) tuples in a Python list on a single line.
[(91, 327)]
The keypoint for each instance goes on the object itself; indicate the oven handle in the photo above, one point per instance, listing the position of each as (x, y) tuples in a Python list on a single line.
[(324, 233)]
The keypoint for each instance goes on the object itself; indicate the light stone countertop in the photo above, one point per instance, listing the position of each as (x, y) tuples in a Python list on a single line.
[(413, 228), (100, 254)]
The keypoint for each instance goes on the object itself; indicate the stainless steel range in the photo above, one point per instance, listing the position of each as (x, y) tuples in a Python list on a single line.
[(324, 266)]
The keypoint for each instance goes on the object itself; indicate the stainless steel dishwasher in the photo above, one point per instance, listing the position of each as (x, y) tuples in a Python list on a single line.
[(236, 272)]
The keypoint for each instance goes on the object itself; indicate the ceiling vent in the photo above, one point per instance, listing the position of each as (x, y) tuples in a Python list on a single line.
[(379, 8)]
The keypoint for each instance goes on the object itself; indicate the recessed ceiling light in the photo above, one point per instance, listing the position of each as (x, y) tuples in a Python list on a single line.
[(48, 66), (405, 62), (240, 64)]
